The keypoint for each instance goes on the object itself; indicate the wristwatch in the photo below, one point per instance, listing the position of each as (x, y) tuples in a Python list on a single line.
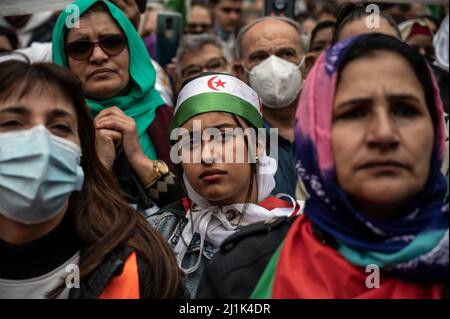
[(159, 169)]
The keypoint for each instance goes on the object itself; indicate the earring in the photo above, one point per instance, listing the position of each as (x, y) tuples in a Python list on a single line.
[(256, 158)]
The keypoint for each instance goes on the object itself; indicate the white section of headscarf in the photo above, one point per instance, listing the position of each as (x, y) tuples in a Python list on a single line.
[(19, 7), (215, 223), (440, 43)]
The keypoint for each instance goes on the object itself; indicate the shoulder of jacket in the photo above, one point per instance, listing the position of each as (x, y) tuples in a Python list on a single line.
[(275, 227), (176, 208), (111, 265)]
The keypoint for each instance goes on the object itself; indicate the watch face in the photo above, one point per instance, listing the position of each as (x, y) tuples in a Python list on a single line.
[(162, 167)]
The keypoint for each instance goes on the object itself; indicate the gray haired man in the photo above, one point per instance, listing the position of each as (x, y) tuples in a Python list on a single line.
[(200, 53), (270, 57)]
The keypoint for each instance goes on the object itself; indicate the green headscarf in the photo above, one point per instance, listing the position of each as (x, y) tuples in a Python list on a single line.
[(142, 100)]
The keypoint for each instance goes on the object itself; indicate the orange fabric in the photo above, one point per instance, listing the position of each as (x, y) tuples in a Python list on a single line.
[(126, 285)]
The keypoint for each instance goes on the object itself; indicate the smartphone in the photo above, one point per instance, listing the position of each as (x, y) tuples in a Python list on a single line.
[(168, 35), (142, 5), (284, 8)]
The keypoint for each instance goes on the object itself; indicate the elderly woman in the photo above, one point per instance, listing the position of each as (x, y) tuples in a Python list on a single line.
[(369, 142), (106, 53), (61, 212)]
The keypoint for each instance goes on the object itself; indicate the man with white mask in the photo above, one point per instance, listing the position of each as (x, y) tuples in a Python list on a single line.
[(270, 57)]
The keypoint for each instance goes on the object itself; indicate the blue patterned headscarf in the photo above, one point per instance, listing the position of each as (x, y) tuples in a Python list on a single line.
[(415, 244)]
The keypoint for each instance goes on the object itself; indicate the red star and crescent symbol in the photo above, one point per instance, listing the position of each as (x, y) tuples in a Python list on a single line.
[(215, 85)]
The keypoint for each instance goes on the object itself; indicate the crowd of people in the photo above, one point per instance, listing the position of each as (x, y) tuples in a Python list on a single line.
[(274, 157)]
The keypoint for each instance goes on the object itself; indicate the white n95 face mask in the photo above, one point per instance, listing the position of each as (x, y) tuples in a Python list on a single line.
[(276, 81), (38, 172)]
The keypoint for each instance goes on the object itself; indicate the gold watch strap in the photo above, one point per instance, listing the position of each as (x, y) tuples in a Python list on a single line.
[(151, 179), (155, 175)]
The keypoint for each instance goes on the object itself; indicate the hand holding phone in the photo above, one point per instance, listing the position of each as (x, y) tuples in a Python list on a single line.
[(168, 35), (284, 8)]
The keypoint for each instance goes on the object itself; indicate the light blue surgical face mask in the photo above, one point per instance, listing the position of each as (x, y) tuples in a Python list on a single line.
[(38, 172)]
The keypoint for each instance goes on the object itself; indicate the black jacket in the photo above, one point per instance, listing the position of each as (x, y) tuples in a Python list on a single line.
[(113, 266), (235, 269)]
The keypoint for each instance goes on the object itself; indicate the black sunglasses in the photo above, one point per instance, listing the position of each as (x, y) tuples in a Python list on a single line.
[(112, 45)]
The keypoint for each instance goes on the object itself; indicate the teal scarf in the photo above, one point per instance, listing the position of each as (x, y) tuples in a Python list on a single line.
[(142, 100)]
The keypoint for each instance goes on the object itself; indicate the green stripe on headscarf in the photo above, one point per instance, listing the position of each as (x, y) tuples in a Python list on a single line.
[(216, 102), (142, 100)]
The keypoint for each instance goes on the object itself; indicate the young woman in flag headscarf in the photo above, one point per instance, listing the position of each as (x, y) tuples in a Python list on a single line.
[(369, 139), (98, 43), (216, 121)]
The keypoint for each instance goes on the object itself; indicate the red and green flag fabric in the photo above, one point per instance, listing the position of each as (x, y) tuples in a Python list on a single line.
[(305, 268)]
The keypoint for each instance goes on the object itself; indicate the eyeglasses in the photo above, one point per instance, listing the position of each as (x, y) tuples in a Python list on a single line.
[(216, 64), (197, 28), (112, 45), (229, 10)]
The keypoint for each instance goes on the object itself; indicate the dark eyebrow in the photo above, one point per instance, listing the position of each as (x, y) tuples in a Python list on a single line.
[(390, 98), (286, 49), (85, 37), (20, 110), (225, 125), (221, 126), (403, 98), (352, 102), (107, 34), (81, 37), (217, 58), (23, 111), (258, 52), (191, 66), (59, 113)]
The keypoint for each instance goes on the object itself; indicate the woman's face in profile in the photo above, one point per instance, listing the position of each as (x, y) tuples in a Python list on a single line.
[(382, 133), (103, 75)]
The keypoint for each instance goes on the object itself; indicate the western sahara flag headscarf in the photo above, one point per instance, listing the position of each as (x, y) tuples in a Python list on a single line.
[(217, 92)]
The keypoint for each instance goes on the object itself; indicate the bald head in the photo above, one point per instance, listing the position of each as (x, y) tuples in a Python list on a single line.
[(271, 26)]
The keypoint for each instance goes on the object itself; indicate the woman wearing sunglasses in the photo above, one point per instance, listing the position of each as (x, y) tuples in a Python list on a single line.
[(106, 53)]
